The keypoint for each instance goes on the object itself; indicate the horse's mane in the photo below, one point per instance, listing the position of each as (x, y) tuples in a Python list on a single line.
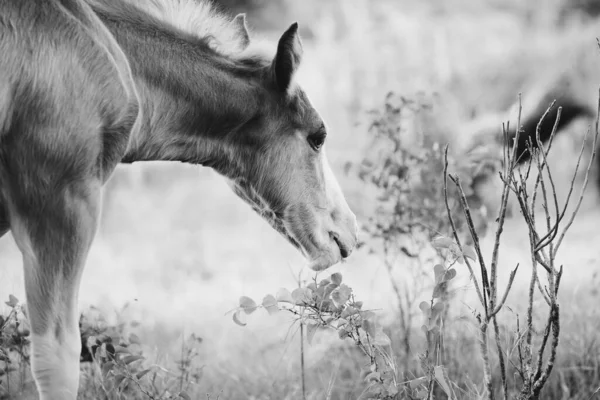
[(197, 18)]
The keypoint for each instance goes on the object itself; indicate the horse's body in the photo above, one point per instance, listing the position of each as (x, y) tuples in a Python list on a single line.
[(85, 85)]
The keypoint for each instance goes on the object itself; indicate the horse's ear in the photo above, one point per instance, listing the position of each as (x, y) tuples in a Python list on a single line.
[(241, 30), (287, 59)]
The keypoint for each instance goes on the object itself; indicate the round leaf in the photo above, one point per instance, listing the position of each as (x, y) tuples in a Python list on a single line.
[(336, 278), (341, 295), (301, 296), (469, 252), (238, 318), (12, 301), (284, 296), (442, 242), (450, 274), (130, 359), (248, 305), (270, 304), (381, 339), (439, 271), (425, 308)]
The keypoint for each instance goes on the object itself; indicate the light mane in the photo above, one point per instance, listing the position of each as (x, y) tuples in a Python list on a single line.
[(202, 19)]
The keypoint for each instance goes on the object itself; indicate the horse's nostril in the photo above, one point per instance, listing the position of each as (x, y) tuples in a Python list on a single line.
[(343, 250)]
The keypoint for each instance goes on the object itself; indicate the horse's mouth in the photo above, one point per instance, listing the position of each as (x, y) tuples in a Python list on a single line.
[(322, 261)]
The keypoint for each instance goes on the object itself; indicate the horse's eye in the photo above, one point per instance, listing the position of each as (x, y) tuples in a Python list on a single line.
[(316, 140)]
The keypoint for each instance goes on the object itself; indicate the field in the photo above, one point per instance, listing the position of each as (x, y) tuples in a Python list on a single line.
[(176, 248)]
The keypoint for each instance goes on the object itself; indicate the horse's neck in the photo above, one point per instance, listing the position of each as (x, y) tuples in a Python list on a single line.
[(191, 97)]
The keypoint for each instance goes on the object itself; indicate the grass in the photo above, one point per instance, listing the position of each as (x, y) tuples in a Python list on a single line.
[(179, 248)]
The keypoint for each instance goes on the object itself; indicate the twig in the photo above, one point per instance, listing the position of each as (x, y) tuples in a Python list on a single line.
[(467, 211), (480, 294), (302, 361), (511, 279), (501, 359), (585, 181)]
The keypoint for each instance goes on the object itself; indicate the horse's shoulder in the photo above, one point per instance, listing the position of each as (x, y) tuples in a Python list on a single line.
[(64, 69)]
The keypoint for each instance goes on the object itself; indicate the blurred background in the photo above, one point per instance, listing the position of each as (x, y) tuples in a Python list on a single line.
[(176, 248)]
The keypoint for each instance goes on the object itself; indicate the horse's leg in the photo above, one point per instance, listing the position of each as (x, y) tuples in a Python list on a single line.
[(55, 243), (4, 222)]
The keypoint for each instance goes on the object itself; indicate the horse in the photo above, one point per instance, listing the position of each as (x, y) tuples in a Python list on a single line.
[(88, 84)]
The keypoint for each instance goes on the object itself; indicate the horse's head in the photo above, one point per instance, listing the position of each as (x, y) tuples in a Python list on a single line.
[(286, 177)]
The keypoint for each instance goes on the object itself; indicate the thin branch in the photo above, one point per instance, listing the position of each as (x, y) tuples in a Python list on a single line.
[(475, 237), (487, 372), (479, 292), (539, 383), (511, 278), (501, 359), (554, 230), (585, 181)]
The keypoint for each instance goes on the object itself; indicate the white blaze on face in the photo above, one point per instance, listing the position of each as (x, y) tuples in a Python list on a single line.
[(337, 227)]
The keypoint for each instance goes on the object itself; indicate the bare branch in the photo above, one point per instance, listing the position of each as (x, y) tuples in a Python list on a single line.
[(501, 359), (467, 211), (585, 181), (511, 279), (539, 383), (480, 294)]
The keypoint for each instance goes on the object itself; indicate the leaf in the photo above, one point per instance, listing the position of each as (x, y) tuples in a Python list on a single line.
[(368, 315), (119, 379), (343, 333), (270, 304), (442, 242), (392, 389), (324, 282), (370, 327), (439, 289), (12, 301), (140, 374), (284, 296), (437, 309), (415, 383), (440, 377), (311, 329), (301, 296), (107, 367), (330, 288), (336, 278), (469, 252), (248, 305), (134, 339), (326, 305), (341, 295), (122, 350), (381, 339), (184, 395), (312, 286), (348, 311), (238, 317), (438, 271), (130, 359), (450, 274)]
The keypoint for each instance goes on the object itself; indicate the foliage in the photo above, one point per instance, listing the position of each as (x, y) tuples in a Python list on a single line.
[(329, 304), (14, 348), (113, 363)]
